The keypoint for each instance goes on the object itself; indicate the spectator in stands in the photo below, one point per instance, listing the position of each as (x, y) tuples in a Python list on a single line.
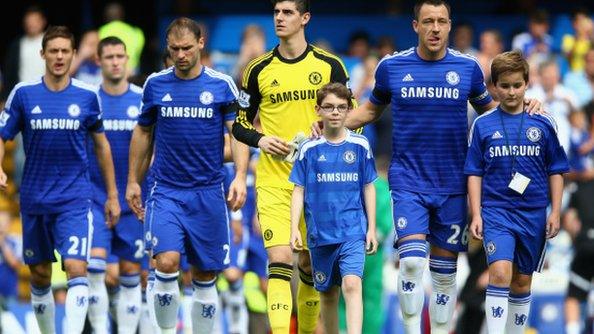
[(10, 250), (84, 66), (359, 47), (132, 36), (582, 82), (576, 46), (557, 99), (463, 37), (536, 42), (491, 44), (253, 45), (385, 46), (22, 61)]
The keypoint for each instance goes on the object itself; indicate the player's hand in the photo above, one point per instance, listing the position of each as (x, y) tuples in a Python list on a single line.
[(553, 224), (237, 193), (296, 242), (3, 180), (534, 107), (476, 228), (237, 227), (134, 199), (316, 129), (371, 242), (274, 145), (112, 211)]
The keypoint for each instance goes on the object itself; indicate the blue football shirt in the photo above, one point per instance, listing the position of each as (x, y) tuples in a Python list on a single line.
[(190, 116), (55, 128), (333, 176), (429, 118), (120, 115), (537, 152)]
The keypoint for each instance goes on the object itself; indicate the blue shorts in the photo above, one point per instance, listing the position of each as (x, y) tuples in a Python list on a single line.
[(331, 263), (69, 232), (442, 218), (515, 235), (125, 240), (191, 221), (257, 258)]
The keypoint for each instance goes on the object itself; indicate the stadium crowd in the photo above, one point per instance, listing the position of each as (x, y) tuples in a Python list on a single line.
[(561, 77)]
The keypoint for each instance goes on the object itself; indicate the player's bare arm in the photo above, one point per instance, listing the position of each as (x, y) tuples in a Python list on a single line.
[(370, 204), (296, 210), (474, 197), (3, 177), (140, 146), (105, 161), (241, 157), (554, 218)]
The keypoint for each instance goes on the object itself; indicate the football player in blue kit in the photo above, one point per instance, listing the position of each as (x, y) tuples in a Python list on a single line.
[(187, 106), (428, 87), (515, 168), (56, 116), (120, 102), (333, 178)]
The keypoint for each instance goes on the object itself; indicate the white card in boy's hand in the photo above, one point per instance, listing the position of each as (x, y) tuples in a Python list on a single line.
[(519, 183)]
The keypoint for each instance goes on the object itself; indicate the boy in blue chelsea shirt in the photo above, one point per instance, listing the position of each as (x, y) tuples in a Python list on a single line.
[(514, 166), (333, 177)]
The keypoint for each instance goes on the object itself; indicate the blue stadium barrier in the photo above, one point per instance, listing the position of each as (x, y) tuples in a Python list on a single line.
[(546, 314)]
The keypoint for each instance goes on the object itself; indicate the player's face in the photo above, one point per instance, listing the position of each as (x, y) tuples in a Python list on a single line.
[(333, 111), (287, 19), (510, 89), (184, 49), (433, 27), (58, 55), (113, 62)]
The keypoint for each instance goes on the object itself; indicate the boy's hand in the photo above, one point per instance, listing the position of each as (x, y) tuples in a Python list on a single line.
[(553, 225), (296, 242), (476, 228), (370, 242)]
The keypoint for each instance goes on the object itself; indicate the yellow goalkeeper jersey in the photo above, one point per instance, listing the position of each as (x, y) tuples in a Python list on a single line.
[(283, 91)]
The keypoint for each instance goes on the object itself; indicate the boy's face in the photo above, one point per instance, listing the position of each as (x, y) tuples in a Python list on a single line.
[(333, 111), (510, 89)]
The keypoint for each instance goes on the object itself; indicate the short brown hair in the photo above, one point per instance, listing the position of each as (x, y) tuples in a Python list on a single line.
[(511, 61), (54, 32), (301, 5), (184, 23), (110, 40), (336, 88), (435, 3)]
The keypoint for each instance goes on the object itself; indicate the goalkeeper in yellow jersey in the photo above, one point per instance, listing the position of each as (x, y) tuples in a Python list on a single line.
[(282, 86)]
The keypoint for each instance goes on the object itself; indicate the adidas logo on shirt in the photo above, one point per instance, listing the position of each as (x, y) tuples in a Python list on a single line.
[(36, 110), (408, 78), (274, 83), (322, 158), (497, 135), (166, 98)]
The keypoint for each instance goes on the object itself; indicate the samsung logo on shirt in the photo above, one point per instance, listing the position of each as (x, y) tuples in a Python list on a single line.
[(430, 92), (119, 124), (55, 124), (517, 150), (293, 95), (337, 177), (186, 112)]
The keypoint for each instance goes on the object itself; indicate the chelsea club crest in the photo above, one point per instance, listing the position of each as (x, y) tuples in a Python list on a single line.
[(452, 78), (349, 157), (533, 134)]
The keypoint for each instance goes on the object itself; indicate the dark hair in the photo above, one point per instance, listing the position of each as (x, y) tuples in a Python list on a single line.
[(184, 23), (507, 62), (34, 9), (111, 40), (301, 5), (539, 16), (336, 88), (53, 32), (165, 57), (435, 3), (578, 11)]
